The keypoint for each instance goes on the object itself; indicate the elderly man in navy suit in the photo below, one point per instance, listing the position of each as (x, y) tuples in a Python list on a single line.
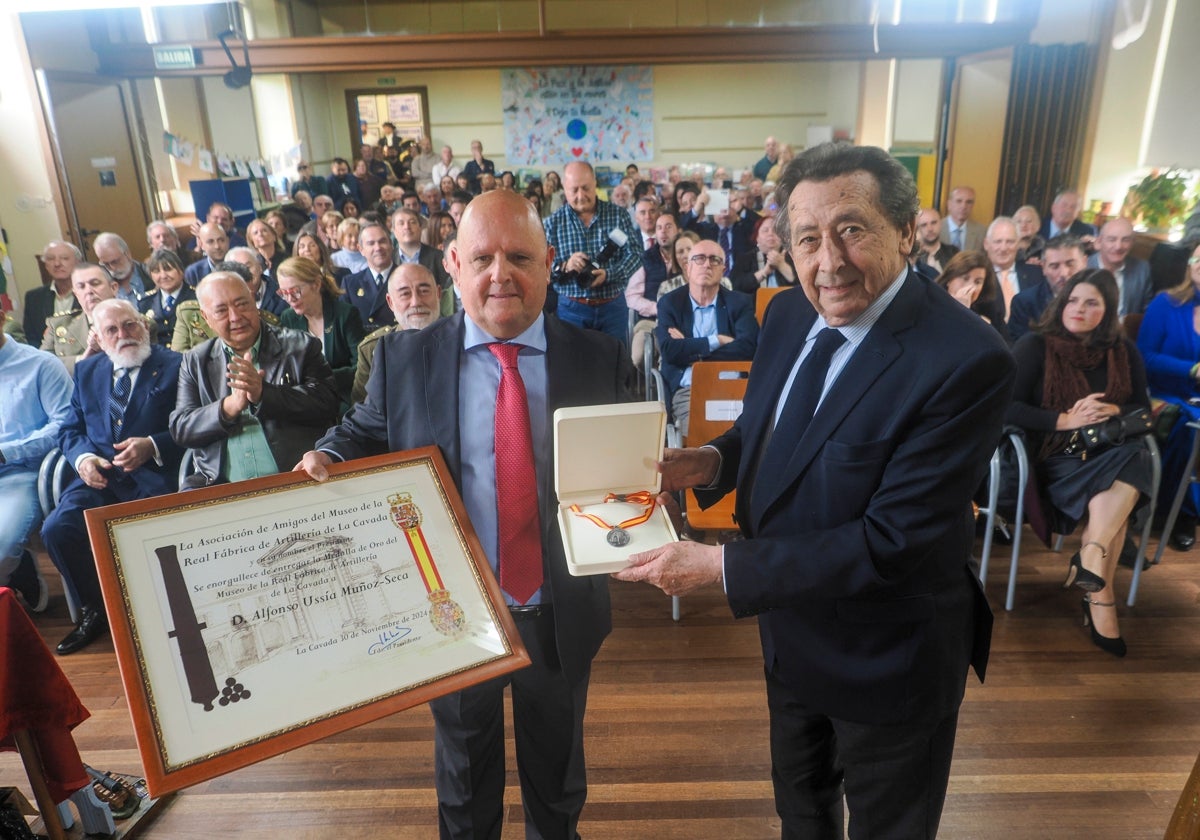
[(1064, 219), (861, 442), (1133, 275), (701, 322), (117, 441), (483, 385)]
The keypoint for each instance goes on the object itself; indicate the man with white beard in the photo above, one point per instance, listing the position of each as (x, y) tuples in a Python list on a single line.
[(116, 438), (415, 299)]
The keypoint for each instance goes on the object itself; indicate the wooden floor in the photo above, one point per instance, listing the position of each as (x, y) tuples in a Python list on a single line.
[(1064, 741)]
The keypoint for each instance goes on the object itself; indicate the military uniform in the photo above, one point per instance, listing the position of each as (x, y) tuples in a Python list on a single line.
[(66, 336)]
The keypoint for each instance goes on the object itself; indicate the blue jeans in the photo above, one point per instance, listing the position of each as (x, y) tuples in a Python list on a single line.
[(19, 514), (611, 318)]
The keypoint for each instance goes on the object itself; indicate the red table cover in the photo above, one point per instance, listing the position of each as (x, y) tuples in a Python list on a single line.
[(36, 695)]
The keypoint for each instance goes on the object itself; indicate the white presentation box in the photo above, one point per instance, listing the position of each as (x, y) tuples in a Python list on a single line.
[(601, 450)]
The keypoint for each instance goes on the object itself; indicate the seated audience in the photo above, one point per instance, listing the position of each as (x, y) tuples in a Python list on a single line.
[(161, 235), (70, 336), (29, 428), (366, 290), (1064, 218), (1061, 260), (214, 243), (348, 256), (958, 228), (190, 327), (701, 322), (116, 439), (438, 228), (133, 280), (676, 271), (1030, 243), (265, 243), (1073, 371), (221, 214), (1000, 242), (252, 400), (309, 182), (160, 305), (552, 193), (413, 297), (969, 279), (930, 253), (279, 223), (407, 227), (309, 245), (1132, 275), (327, 229), (767, 266), (58, 298), (313, 297), (1169, 338)]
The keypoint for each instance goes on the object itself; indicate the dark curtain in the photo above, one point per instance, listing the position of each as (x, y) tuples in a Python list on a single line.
[(1044, 129)]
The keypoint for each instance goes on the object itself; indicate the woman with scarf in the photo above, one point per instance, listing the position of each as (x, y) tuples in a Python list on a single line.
[(1076, 370)]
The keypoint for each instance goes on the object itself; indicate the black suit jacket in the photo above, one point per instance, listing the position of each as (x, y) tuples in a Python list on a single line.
[(412, 401), (39, 306), (857, 552), (298, 401), (370, 299)]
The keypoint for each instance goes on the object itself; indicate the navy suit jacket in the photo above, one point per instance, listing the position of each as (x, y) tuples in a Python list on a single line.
[(857, 551), (369, 298), (412, 401), (1027, 307), (164, 323), (146, 415), (735, 318)]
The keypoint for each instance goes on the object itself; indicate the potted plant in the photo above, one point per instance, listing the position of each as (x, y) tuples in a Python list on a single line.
[(1157, 201)]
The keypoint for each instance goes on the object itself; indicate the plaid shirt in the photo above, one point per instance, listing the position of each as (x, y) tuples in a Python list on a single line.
[(565, 231)]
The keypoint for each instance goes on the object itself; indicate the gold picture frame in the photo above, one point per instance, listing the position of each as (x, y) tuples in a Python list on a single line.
[(253, 618)]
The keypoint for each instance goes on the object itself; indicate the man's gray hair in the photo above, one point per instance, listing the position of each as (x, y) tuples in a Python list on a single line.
[(897, 197), (156, 224), (54, 243), (111, 239), (1000, 220)]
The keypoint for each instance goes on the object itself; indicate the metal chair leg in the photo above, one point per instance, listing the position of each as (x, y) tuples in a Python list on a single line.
[(1185, 481), (1156, 462), (990, 521), (1022, 480)]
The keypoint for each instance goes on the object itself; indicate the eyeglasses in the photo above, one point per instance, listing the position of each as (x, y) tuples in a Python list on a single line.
[(294, 293), (701, 259)]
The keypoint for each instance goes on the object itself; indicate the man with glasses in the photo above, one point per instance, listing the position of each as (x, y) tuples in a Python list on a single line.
[(701, 322), (133, 280), (311, 183), (116, 439), (253, 399)]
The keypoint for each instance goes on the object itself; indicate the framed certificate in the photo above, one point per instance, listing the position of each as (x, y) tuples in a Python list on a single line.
[(253, 618)]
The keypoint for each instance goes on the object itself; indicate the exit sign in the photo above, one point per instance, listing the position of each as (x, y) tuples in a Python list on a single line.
[(386, 81), (174, 58)]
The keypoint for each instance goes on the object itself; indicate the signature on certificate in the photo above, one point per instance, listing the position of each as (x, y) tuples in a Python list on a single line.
[(387, 639)]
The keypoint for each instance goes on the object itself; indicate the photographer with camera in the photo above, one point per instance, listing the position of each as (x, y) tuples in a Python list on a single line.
[(595, 254)]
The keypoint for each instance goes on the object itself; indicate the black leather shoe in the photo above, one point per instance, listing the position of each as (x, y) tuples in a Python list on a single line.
[(1183, 535), (93, 624)]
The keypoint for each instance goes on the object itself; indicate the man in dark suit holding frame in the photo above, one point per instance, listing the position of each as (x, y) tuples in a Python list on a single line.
[(451, 385), (872, 409)]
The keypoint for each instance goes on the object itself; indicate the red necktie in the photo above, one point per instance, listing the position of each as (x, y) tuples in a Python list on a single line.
[(520, 546)]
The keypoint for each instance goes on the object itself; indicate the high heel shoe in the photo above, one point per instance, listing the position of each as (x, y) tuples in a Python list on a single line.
[(1081, 577), (1106, 643)]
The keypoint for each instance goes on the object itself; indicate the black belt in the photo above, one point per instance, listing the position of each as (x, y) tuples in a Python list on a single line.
[(531, 612)]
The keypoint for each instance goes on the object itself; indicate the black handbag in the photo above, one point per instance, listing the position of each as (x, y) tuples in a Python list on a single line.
[(1092, 440)]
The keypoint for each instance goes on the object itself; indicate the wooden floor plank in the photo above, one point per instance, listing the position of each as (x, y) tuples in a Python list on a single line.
[(1062, 742)]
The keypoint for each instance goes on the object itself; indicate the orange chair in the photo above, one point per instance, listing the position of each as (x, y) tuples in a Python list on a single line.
[(763, 296), (717, 392)]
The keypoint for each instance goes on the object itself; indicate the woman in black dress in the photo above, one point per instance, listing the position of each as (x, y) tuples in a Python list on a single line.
[(1076, 369)]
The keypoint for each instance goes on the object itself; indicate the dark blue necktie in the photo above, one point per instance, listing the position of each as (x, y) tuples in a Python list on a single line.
[(801, 402), (168, 304), (727, 247), (117, 403)]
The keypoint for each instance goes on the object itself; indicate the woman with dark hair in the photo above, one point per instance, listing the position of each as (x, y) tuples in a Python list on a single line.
[(278, 222), (309, 245), (971, 280), (440, 225), (350, 209), (1169, 339), (315, 309), (166, 270), (1076, 370), (447, 188)]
